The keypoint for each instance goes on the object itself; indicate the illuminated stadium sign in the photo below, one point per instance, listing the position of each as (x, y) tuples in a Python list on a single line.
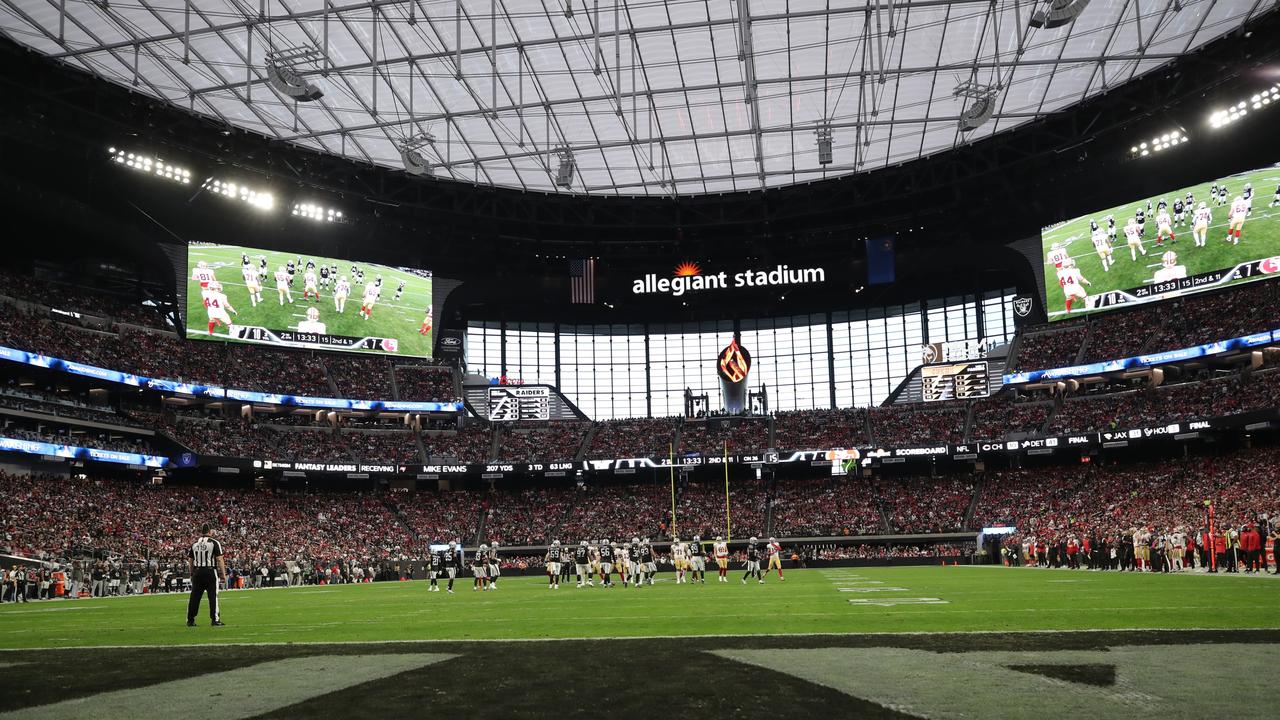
[(689, 277), (73, 452)]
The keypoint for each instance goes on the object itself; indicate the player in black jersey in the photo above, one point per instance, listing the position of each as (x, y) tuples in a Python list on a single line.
[(434, 569), (1141, 217), (451, 557), (399, 291), (1179, 216), (650, 560), (753, 562), (324, 276), (606, 563), (291, 269), (698, 560), (582, 562), (494, 570)]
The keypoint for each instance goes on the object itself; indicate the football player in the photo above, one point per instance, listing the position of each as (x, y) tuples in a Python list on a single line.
[(1275, 203), (324, 277), (370, 299), (606, 563), (1133, 235), (698, 560), (678, 555), (553, 564), (1057, 255), (494, 569), (437, 565), (566, 563), (1247, 194), (341, 291), (203, 274), (1235, 225), (399, 291), (217, 305), (253, 282), (720, 549), (1102, 246), (1222, 194), (593, 559), (621, 561), (774, 551), (292, 268), (309, 283), (1164, 225), (1111, 228), (312, 324), (582, 562), (425, 327), (753, 562), (452, 558), (1179, 216), (1141, 217), (263, 272), (1072, 283), (637, 562), (650, 560), (282, 286), (480, 569), (1200, 224)]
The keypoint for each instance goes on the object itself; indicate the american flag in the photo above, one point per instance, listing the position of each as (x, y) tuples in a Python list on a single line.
[(582, 281)]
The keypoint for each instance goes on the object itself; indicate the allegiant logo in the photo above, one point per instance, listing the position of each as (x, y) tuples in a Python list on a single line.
[(689, 278)]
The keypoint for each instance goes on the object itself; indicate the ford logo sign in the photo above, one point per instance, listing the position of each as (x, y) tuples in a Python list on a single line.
[(451, 341)]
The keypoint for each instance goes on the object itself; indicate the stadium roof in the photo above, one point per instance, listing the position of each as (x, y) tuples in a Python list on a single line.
[(649, 97)]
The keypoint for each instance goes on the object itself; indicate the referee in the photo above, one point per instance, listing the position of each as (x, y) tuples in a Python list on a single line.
[(206, 565)]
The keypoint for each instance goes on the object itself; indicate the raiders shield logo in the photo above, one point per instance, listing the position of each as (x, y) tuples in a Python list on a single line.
[(1022, 306)]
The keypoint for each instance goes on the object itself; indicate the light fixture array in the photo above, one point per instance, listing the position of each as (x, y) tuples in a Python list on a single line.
[(1258, 101), (319, 213), (150, 165), (1158, 143), (238, 191)]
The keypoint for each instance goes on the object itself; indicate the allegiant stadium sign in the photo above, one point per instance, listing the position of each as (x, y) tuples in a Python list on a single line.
[(690, 278)]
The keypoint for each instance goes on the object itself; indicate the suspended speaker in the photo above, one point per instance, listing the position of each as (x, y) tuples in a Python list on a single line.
[(979, 112), (1060, 13), (289, 82)]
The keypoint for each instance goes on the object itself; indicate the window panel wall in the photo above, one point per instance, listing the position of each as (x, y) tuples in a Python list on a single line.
[(602, 367)]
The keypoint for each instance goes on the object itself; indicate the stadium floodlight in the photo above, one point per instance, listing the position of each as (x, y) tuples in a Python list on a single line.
[(150, 165), (238, 191), (284, 77), (319, 213), (564, 173), (415, 161), (1161, 142), (1059, 13), (1257, 101), (981, 106), (824, 145)]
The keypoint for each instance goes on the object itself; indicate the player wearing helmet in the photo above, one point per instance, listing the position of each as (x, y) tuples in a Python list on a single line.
[(434, 570), (252, 281), (341, 291), (553, 564), (1072, 283), (698, 560), (480, 569), (312, 324), (282, 285), (622, 561), (774, 551), (1169, 268), (606, 563), (451, 558), (679, 558), (582, 562), (1133, 235), (1200, 221), (494, 570), (216, 305), (1235, 225), (720, 549), (753, 561), (650, 560)]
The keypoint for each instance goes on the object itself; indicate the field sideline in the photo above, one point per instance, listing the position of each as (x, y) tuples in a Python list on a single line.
[(840, 600)]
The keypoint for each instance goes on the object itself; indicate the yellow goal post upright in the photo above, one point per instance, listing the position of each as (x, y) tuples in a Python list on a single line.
[(728, 528), (671, 462)]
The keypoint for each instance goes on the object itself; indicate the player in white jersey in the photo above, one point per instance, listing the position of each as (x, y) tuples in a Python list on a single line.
[(1164, 225), (252, 283), (203, 274), (282, 286), (1057, 255), (774, 551), (1133, 235), (1102, 246), (216, 304), (622, 561), (310, 284), (341, 291), (720, 549), (312, 324), (1235, 225), (679, 558), (425, 327), (1072, 283), (371, 293), (1200, 224), (1169, 268), (1178, 542)]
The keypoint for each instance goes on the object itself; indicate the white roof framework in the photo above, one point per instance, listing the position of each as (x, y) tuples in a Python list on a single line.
[(651, 97)]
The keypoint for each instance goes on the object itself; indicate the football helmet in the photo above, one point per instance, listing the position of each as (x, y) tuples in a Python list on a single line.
[(483, 546), (697, 538), (313, 314), (635, 540), (773, 539), (215, 286), (753, 539), (555, 542), (1238, 198), (1203, 206), (202, 265), (453, 543), (583, 543)]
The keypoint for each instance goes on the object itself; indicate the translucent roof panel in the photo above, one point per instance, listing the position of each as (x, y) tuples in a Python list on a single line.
[(649, 97)]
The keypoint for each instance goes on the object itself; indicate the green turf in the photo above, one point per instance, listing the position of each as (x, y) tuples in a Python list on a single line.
[(810, 601), (1261, 239), (392, 318)]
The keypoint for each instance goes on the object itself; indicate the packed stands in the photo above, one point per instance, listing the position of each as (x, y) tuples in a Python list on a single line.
[(925, 505), (437, 517), (996, 418), (825, 507), (550, 442), (700, 509), (635, 437), (820, 429), (80, 438), (88, 301), (394, 446), (1198, 320), (617, 511), (528, 516), (360, 376), (711, 437), (430, 383), (470, 444), (913, 425), (1049, 349)]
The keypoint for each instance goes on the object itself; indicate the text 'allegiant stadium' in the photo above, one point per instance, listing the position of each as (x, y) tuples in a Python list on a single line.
[(677, 286)]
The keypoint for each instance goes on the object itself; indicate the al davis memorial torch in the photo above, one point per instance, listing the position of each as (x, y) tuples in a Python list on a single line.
[(732, 365)]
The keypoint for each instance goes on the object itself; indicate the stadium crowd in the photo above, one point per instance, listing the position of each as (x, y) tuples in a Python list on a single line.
[(820, 429), (914, 425)]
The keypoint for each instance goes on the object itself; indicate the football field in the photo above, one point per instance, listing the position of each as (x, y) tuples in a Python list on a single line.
[(843, 642), (392, 318), (1260, 239)]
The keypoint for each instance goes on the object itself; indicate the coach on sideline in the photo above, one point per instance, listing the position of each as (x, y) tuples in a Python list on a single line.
[(207, 566)]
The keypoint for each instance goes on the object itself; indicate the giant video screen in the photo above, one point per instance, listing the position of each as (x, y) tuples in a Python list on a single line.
[(1189, 239), (266, 297)]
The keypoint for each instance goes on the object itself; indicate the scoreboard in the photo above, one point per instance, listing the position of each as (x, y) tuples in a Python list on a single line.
[(509, 403), (954, 381)]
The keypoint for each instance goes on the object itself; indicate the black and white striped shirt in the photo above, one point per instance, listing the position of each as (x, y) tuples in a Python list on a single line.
[(205, 551)]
